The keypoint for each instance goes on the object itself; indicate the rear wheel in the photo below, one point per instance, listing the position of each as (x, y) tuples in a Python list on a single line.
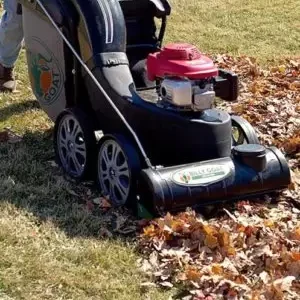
[(118, 167), (242, 132), (75, 143)]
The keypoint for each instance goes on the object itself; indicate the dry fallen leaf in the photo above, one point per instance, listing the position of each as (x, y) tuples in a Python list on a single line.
[(211, 241), (166, 284), (265, 277), (8, 136), (192, 274), (90, 206), (296, 234), (284, 283), (102, 202), (4, 137), (72, 192)]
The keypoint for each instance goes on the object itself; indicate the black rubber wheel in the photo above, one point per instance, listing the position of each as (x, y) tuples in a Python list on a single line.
[(118, 168), (75, 143), (242, 132)]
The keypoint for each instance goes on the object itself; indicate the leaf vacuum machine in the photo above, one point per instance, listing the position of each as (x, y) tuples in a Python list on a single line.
[(137, 116)]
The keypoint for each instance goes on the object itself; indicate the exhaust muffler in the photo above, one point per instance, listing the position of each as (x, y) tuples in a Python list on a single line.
[(251, 170)]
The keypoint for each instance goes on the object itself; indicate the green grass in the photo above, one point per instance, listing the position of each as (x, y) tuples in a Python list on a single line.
[(50, 246), (265, 29)]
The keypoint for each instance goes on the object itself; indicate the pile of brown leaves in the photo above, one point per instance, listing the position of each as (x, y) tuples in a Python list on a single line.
[(269, 99), (252, 252)]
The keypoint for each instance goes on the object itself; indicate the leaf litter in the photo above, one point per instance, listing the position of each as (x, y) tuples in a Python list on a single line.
[(8, 136), (250, 249)]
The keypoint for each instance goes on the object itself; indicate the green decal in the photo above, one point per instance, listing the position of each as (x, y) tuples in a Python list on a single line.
[(201, 174)]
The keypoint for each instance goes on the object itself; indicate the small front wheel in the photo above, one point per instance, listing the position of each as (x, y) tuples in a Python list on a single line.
[(242, 132), (118, 166)]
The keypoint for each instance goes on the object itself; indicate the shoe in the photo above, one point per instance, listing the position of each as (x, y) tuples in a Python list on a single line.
[(7, 79)]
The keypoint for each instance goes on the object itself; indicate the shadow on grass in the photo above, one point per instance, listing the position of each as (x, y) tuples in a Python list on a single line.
[(30, 181), (17, 108)]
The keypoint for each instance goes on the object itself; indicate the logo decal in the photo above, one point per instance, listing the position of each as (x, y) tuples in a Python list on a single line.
[(45, 73), (185, 177), (201, 175)]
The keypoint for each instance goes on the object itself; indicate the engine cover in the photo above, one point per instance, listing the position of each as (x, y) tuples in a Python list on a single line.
[(182, 60)]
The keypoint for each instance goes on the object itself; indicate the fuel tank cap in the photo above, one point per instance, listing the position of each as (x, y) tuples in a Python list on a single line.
[(249, 150), (252, 155)]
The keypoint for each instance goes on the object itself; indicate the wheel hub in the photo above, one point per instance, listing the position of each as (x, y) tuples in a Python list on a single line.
[(112, 173), (71, 146)]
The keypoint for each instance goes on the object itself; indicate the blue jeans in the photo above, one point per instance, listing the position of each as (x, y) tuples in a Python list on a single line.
[(11, 34)]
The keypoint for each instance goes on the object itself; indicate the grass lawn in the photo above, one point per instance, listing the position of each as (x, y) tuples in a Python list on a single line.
[(51, 246), (265, 29)]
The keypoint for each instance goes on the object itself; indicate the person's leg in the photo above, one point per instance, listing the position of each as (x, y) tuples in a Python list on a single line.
[(11, 37)]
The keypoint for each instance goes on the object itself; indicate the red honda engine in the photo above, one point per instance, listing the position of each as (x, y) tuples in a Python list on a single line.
[(182, 60), (185, 75)]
